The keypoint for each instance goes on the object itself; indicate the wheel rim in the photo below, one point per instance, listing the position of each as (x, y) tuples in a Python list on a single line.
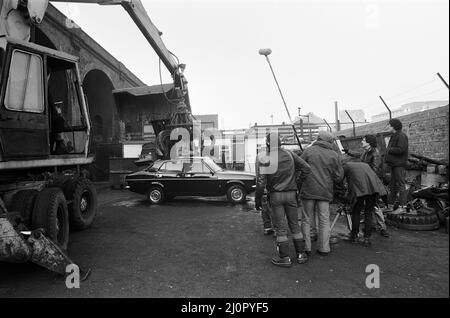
[(236, 194), (85, 202), (155, 195)]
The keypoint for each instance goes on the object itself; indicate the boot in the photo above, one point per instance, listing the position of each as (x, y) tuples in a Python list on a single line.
[(283, 258), (302, 256)]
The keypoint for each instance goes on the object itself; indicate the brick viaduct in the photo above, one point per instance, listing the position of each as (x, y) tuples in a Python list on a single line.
[(100, 72)]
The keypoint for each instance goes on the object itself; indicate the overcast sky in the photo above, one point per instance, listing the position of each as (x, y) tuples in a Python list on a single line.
[(323, 51)]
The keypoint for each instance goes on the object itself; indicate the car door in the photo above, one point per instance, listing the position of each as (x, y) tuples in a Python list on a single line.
[(169, 174), (198, 178)]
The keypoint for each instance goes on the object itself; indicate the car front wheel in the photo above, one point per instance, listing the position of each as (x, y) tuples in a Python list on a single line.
[(156, 195), (236, 194)]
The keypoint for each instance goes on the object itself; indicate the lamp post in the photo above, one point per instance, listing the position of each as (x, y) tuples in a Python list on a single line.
[(266, 53)]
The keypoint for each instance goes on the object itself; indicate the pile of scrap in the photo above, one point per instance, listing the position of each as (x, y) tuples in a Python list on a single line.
[(428, 205)]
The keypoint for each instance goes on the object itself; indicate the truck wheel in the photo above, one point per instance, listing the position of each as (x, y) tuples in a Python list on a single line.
[(236, 194), (50, 213), (156, 195), (23, 203), (83, 203)]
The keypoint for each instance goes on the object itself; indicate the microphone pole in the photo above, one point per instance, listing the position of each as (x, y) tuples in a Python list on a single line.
[(266, 53)]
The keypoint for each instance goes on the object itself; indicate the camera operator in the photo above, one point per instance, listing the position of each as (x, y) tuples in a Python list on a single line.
[(372, 157), (364, 188)]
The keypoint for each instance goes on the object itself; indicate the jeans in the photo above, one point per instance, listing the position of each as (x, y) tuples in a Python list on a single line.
[(397, 186), (310, 207), (284, 215), (266, 213), (367, 203), (378, 219)]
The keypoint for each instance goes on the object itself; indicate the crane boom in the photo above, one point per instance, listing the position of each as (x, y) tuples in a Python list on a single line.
[(140, 17), (17, 16)]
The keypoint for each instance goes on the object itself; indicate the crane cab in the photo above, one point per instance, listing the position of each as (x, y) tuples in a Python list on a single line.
[(44, 119)]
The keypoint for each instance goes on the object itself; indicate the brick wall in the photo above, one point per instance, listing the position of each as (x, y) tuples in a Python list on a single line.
[(427, 132)]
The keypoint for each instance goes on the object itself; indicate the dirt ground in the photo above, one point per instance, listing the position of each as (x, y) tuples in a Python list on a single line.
[(193, 247)]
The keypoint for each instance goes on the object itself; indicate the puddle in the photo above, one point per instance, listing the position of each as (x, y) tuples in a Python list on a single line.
[(128, 203)]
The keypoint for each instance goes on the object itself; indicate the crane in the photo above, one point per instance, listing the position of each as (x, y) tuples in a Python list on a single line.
[(44, 143), (27, 12)]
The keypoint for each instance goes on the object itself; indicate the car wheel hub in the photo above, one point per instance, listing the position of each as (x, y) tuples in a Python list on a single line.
[(236, 194), (155, 195)]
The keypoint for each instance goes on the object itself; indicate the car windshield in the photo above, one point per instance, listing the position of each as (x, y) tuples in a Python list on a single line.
[(212, 164)]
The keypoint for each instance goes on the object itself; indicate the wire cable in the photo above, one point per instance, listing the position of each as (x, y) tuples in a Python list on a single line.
[(425, 94), (173, 101), (412, 89)]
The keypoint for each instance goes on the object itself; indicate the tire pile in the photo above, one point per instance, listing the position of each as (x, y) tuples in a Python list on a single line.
[(419, 215)]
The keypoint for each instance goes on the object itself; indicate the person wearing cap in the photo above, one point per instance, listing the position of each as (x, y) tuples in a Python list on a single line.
[(397, 157), (317, 191), (372, 157), (279, 178)]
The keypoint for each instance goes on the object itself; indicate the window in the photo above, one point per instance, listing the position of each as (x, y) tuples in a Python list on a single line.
[(172, 166), (25, 88), (67, 122), (195, 167)]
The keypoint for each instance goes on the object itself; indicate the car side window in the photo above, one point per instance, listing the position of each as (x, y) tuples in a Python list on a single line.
[(173, 166), (196, 166)]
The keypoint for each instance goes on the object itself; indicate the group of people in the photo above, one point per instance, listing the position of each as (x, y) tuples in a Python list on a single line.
[(308, 180)]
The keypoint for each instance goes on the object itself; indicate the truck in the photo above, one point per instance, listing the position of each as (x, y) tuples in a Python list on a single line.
[(45, 190)]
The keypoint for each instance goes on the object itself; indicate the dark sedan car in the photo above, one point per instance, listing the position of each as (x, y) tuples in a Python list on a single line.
[(198, 176)]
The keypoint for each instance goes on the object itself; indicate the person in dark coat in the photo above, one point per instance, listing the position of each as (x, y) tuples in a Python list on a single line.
[(396, 158), (364, 187), (317, 191), (370, 154), (372, 157)]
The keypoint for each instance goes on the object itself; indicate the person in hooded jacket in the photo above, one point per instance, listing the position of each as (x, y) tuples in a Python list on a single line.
[(317, 191), (279, 178)]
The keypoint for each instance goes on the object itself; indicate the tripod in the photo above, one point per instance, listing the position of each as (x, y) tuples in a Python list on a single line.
[(343, 210)]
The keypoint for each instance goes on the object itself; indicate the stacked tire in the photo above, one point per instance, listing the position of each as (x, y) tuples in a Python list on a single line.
[(415, 222)]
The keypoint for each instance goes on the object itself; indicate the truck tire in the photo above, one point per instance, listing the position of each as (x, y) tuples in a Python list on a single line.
[(236, 194), (23, 203), (82, 196), (50, 213)]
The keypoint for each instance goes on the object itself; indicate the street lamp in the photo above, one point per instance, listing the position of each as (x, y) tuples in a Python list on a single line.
[(266, 53)]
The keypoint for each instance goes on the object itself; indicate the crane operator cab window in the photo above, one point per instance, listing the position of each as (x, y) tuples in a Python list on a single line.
[(67, 123), (25, 89)]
